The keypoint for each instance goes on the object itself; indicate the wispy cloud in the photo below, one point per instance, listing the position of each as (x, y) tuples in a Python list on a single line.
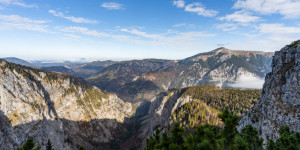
[(170, 38), (227, 26), (22, 26), (71, 36), (184, 25), (22, 23), (196, 7), (16, 18), (71, 18), (18, 3), (287, 8), (241, 17), (142, 34), (278, 29), (82, 30), (179, 3), (112, 6), (200, 10)]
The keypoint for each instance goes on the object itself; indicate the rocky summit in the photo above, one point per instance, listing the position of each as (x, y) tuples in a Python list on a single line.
[(280, 102), (57, 107)]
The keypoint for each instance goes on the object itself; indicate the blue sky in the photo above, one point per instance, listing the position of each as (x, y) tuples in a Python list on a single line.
[(137, 29)]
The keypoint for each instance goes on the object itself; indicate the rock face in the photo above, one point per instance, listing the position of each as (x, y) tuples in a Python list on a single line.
[(280, 102), (161, 108), (46, 105)]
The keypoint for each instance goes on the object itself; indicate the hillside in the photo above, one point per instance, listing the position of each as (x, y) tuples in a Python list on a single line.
[(221, 67), (18, 61), (194, 106), (119, 77), (90, 69), (60, 69), (47, 105)]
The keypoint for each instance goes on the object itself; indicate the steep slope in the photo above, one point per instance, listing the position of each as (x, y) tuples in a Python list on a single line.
[(122, 77), (60, 69), (221, 67), (47, 105), (90, 69), (280, 102), (17, 61), (195, 105)]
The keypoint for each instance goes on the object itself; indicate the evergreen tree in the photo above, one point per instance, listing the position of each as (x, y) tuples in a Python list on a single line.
[(81, 148), (29, 145), (49, 145), (249, 134)]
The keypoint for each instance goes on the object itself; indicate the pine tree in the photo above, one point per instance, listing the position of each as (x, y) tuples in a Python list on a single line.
[(29, 145), (49, 145)]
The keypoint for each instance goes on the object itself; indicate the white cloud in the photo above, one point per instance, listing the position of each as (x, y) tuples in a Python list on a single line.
[(22, 23), (248, 82), (18, 3), (166, 37), (22, 26), (142, 34), (130, 39), (227, 26), (184, 25), (16, 18), (71, 18), (200, 10), (112, 6), (82, 30), (179, 3), (71, 36), (287, 8), (278, 29), (240, 16)]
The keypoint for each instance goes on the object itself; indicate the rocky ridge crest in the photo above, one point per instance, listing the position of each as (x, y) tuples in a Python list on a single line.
[(280, 102)]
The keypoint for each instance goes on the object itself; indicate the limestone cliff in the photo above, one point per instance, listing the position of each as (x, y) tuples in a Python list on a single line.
[(280, 102), (47, 105)]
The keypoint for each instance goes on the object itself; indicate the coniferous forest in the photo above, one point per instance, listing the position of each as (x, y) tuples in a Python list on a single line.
[(209, 137)]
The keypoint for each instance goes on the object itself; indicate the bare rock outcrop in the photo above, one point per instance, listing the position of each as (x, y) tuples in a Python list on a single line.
[(280, 102)]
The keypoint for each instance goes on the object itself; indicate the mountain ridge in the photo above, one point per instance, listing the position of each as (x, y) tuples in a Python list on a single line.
[(65, 109)]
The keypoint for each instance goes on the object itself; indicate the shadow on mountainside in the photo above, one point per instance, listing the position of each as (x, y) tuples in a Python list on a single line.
[(96, 134)]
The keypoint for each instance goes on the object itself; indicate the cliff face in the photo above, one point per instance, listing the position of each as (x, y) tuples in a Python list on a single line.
[(161, 108), (64, 109), (280, 102)]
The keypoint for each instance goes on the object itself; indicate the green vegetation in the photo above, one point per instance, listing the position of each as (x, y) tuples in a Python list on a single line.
[(208, 137), (195, 113), (294, 44), (29, 145), (236, 100), (94, 97)]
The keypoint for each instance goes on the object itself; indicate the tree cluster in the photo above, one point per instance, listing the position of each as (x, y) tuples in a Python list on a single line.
[(208, 137)]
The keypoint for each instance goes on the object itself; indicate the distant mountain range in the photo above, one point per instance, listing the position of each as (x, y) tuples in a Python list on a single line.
[(139, 80), (136, 81), (18, 61)]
